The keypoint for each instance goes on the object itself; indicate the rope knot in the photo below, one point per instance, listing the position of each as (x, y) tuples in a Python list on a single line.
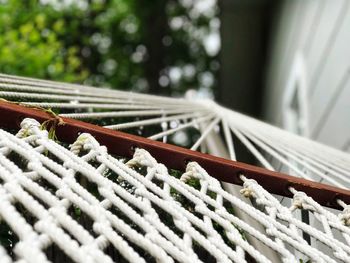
[(247, 192), (191, 172), (161, 168), (194, 170), (249, 187), (86, 141), (300, 201), (142, 158), (344, 216), (30, 127), (29, 123)]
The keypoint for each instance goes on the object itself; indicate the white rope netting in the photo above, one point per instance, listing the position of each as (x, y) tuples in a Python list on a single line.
[(82, 204)]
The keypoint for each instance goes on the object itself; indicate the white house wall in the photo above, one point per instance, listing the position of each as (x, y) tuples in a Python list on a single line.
[(318, 32)]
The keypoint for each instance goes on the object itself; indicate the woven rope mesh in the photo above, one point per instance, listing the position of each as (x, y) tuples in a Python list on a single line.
[(61, 203)]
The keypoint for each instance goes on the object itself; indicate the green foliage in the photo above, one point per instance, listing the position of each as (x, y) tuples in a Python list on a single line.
[(155, 47), (31, 44)]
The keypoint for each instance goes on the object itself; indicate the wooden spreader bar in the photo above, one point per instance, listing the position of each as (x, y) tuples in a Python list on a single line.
[(174, 157)]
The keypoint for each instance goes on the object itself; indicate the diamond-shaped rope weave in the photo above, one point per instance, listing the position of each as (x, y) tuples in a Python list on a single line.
[(79, 203)]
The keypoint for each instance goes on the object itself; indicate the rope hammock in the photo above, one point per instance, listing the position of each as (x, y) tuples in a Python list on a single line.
[(83, 203), (135, 207)]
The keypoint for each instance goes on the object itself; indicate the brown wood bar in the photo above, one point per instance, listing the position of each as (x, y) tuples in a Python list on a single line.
[(175, 157)]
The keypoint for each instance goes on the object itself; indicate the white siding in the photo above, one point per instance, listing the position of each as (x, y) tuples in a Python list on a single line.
[(318, 31)]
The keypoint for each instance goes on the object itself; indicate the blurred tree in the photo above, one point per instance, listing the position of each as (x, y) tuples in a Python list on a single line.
[(30, 43), (158, 46)]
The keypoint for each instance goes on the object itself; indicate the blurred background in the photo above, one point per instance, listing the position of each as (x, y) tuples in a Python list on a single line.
[(159, 46), (286, 62)]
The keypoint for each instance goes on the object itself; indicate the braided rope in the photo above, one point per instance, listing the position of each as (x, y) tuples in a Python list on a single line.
[(82, 203)]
